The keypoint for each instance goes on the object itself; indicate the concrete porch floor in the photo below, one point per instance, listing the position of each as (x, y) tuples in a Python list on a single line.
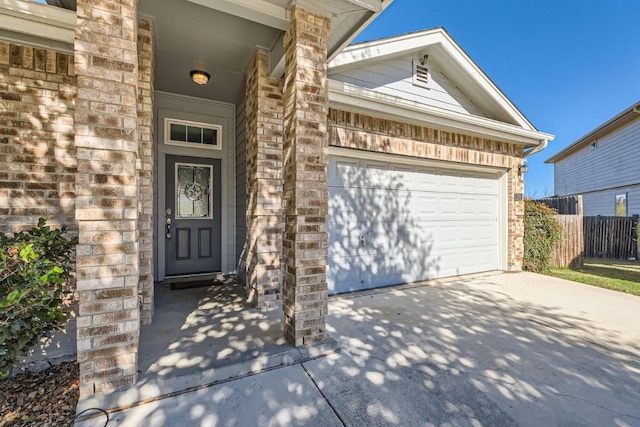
[(203, 336), (204, 328)]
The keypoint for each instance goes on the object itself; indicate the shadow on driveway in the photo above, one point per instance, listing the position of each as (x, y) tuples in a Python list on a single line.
[(464, 353), (451, 354)]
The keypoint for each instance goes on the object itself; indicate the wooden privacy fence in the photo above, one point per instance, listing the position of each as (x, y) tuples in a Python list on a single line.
[(610, 237), (570, 251), (565, 205)]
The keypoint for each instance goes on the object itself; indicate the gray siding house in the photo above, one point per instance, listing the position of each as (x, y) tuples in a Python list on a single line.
[(604, 167)]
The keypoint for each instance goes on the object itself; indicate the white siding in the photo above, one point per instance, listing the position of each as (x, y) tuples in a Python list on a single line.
[(612, 167), (395, 77), (241, 187)]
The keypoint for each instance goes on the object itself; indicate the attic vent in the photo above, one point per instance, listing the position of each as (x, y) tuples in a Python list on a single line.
[(421, 72)]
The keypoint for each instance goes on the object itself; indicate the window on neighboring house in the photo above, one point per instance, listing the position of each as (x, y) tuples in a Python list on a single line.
[(621, 204), (192, 134)]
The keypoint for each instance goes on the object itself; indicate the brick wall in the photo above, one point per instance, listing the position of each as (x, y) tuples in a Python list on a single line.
[(145, 166), (362, 132), (305, 200), (106, 65), (264, 115), (37, 150)]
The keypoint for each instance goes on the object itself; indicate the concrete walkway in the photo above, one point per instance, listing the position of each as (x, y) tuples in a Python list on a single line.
[(510, 349)]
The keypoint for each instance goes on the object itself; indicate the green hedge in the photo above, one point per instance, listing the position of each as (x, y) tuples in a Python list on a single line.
[(541, 233), (34, 268)]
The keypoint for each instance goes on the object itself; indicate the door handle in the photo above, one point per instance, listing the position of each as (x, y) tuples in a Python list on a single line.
[(362, 240), (168, 221)]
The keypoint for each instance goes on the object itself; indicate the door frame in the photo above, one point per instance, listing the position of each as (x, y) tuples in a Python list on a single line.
[(199, 111)]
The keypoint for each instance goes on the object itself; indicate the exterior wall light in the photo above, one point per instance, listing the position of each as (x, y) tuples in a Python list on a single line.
[(522, 169), (200, 77)]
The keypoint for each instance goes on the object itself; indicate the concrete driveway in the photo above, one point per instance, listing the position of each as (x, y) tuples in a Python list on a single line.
[(510, 349)]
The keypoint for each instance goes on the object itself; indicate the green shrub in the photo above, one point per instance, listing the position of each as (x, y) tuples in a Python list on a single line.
[(541, 233), (34, 268)]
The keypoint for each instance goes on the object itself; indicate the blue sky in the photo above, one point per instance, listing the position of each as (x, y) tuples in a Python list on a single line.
[(568, 65)]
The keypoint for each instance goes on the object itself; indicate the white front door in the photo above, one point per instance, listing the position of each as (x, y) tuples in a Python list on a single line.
[(390, 223)]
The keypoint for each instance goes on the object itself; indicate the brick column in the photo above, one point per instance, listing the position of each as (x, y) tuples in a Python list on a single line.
[(106, 65), (515, 208), (145, 167), (264, 184), (305, 181)]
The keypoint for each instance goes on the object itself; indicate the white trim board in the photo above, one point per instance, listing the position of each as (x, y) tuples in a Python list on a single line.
[(383, 6), (167, 134), (358, 99), (20, 19), (259, 11), (414, 161)]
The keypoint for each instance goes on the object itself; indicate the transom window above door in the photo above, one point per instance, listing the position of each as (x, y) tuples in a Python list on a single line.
[(193, 134)]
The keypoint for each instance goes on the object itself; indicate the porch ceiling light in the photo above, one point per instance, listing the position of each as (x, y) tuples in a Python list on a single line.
[(200, 77)]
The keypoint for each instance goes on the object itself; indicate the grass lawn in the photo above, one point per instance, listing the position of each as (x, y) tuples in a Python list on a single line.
[(623, 276)]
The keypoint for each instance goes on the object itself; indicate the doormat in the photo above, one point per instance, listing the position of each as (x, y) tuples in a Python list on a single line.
[(190, 283), (196, 284)]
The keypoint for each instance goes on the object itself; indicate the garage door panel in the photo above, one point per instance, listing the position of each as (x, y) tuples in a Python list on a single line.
[(344, 173), (400, 268), (389, 237), (346, 274), (472, 235), (345, 239), (474, 205), (457, 262), (391, 224), (345, 205), (350, 204)]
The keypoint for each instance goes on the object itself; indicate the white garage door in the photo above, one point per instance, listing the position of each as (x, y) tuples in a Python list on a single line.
[(391, 223)]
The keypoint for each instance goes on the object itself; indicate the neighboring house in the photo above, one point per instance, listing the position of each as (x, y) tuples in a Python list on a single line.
[(304, 167), (604, 167)]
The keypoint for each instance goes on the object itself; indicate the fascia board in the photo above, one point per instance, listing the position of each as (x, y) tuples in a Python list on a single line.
[(347, 41), (259, 11), (381, 49), (372, 5), (38, 20), (485, 83), (277, 51), (368, 101)]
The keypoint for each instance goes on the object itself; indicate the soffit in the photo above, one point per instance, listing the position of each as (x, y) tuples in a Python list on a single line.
[(190, 36), (206, 35)]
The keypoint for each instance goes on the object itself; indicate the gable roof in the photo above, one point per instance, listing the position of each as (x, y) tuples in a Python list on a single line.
[(450, 57), (624, 117)]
